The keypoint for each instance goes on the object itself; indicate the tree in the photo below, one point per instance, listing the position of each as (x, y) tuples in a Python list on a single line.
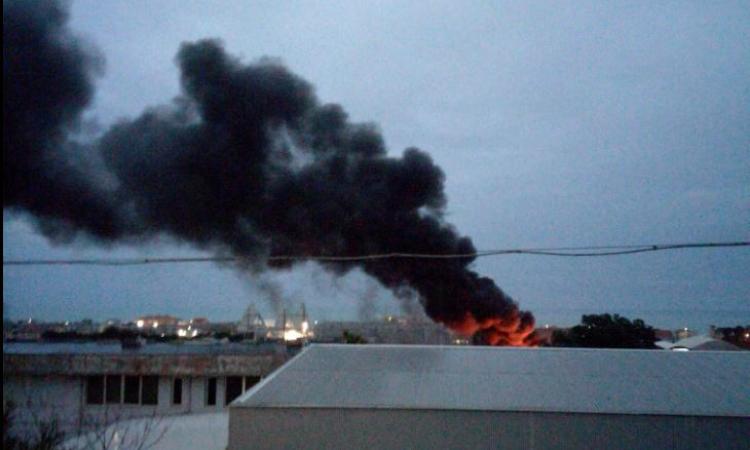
[(107, 430), (739, 335), (46, 433), (606, 331), (352, 338)]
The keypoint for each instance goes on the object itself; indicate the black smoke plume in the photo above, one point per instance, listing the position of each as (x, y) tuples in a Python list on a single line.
[(247, 161)]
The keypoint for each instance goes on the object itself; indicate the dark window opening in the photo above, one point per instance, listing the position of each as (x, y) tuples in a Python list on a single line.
[(132, 390), (177, 391), (95, 390), (233, 389), (211, 392), (149, 390), (250, 382), (113, 388)]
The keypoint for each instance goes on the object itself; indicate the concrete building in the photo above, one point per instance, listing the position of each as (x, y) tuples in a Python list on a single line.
[(87, 385), (157, 323), (349, 396), (698, 343), (390, 330)]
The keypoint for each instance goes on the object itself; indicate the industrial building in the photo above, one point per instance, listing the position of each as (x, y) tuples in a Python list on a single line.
[(698, 343), (383, 396), (390, 330), (87, 385)]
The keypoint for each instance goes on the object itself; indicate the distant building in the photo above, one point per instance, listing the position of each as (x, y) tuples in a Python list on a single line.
[(192, 328), (109, 323), (664, 335), (738, 335), (252, 323), (683, 333), (157, 323), (390, 330), (86, 385), (698, 343), (25, 331), (545, 335)]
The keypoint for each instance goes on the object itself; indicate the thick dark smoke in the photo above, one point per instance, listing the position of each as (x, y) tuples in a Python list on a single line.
[(47, 83), (247, 161)]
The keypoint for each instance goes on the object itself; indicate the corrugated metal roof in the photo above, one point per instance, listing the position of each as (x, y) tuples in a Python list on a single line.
[(510, 379)]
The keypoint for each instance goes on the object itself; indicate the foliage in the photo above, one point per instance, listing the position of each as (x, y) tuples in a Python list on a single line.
[(606, 331), (47, 434), (109, 430), (352, 338), (739, 335)]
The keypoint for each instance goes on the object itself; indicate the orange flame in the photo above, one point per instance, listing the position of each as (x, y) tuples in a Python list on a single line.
[(516, 330)]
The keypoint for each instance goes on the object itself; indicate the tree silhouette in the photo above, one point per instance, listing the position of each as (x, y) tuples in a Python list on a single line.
[(606, 331), (351, 338)]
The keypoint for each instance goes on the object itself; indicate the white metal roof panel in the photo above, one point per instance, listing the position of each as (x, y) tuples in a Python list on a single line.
[(510, 379)]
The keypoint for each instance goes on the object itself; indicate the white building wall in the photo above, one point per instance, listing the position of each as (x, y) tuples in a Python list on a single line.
[(43, 398), (39, 399), (220, 393)]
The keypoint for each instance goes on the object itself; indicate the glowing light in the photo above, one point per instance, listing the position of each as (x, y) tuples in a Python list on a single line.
[(305, 326), (182, 332), (139, 323), (156, 325), (293, 335)]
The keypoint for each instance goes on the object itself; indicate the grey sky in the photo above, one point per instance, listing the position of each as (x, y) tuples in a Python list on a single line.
[(557, 124)]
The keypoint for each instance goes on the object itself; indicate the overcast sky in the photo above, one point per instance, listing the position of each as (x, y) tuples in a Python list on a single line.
[(556, 123)]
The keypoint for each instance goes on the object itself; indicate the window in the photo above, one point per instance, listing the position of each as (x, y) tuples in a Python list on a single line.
[(95, 390), (149, 390), (132, 389), (250, 382), (177, 391), (237, 385), (211, 392), (233, 389), (119, 389), (113, 388)]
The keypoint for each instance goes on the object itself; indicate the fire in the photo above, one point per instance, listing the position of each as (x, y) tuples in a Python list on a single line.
[(516, 330)]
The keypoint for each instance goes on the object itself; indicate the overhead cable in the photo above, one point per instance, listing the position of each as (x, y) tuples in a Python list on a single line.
[(590, 251)]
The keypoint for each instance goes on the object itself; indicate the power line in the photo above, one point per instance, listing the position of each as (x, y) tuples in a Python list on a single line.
[(590, 251)]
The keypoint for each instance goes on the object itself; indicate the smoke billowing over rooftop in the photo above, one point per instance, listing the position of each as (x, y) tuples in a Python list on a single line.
[(247, 161)]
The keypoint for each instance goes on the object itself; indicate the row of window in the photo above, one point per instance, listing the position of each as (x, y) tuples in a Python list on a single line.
[(144, 389), (127, 389)]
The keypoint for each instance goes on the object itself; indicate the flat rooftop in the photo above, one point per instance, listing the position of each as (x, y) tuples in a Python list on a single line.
[(159, 348), (708, 383), (178, 359)]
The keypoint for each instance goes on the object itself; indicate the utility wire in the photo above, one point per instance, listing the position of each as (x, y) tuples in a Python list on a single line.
[(590, 251)]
